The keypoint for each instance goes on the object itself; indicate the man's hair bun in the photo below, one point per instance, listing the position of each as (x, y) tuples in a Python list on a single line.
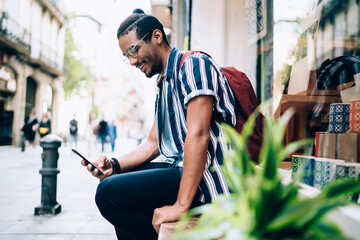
[(138, 10)]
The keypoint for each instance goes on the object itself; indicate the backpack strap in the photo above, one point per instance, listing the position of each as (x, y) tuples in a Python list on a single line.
[(186, 54)]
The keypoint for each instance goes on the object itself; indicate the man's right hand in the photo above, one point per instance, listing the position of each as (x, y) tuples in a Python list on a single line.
[(103, 163)]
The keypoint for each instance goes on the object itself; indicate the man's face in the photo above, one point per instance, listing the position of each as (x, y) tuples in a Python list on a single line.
[(146, 59)]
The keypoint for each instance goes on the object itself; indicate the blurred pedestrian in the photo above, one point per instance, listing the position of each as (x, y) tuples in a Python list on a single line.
[(96, 134), (73, 132), (103, 133), (29, 129), (112, 134), (44, 125)]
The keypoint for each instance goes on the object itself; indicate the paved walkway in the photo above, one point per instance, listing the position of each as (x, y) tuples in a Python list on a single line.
[(20, 184)]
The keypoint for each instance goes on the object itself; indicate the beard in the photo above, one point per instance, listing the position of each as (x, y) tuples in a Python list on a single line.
[(156, 68)]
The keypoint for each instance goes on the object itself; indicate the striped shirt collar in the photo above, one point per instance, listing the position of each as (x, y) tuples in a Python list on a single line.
[(170, 66), (172, 63)]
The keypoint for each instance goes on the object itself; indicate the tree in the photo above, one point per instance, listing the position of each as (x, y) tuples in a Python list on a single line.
[(77, 73)]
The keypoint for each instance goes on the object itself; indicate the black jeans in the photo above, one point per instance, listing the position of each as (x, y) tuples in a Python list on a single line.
[(128, 200)]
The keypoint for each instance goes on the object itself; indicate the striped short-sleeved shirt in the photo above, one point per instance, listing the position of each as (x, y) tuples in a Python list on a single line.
[(199, 75)]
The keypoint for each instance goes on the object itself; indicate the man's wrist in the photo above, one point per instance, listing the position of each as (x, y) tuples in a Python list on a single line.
[(112, 166), (182, 206), (116, 166)]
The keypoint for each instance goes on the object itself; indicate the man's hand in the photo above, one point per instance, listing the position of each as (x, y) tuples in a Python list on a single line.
[(103, 163), (167, 214)]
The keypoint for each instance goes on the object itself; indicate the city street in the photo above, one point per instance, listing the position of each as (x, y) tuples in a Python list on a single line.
[(20, 184)]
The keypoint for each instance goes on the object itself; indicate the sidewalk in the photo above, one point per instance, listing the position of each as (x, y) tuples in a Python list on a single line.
[(20, 184)]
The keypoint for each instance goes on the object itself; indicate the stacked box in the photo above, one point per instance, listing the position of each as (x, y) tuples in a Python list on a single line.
[(339, 117), (347, 170), (302, 169), (354, 125), (326, 145), (324, 171), (348, 147), (317, 142)]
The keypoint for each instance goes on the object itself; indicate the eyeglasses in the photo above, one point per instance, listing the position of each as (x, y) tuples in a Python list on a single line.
[(132, 51)]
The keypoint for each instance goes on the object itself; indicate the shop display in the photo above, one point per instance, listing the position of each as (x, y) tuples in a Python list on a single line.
[(342, 141), (337, 151)]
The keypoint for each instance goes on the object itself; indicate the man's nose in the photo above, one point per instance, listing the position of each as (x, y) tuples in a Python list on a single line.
[(132, 60)]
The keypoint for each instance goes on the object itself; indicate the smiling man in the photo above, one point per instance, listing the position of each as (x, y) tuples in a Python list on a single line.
[(137, 195)]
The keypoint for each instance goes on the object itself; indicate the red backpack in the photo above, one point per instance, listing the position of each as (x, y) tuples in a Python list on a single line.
[(245, 102)]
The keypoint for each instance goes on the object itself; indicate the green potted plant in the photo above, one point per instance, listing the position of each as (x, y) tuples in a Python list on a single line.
[(261, 206)]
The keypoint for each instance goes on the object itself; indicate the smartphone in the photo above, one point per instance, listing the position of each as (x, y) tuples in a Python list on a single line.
[(87, 162)]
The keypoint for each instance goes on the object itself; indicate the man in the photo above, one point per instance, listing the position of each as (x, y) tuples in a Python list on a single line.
[(29, 128), (73, 131), (191, 103), (103, 133)]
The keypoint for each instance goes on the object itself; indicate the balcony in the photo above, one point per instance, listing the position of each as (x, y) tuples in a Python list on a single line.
[(55, 8), (13, 37), (48, 55), (44, 57)]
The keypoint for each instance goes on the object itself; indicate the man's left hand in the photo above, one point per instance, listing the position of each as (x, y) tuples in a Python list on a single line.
[(167, 214)]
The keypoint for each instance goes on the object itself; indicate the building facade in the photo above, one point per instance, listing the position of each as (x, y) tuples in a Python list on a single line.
[(32, 40)]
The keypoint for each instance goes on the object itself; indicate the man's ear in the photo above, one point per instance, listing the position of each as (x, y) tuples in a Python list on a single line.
[(157, 37)]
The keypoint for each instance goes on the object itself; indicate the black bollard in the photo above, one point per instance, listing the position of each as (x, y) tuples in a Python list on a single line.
[(50, 155)]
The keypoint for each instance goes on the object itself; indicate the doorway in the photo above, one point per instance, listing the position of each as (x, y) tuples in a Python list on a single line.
[(31, 86)]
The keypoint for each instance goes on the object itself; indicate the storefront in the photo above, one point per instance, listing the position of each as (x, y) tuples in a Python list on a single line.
[(316, 63), (300, 55), (8, 87)]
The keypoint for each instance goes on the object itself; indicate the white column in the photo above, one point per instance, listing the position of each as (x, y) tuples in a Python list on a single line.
[(207, 28), (18, 102), (58, 98)]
